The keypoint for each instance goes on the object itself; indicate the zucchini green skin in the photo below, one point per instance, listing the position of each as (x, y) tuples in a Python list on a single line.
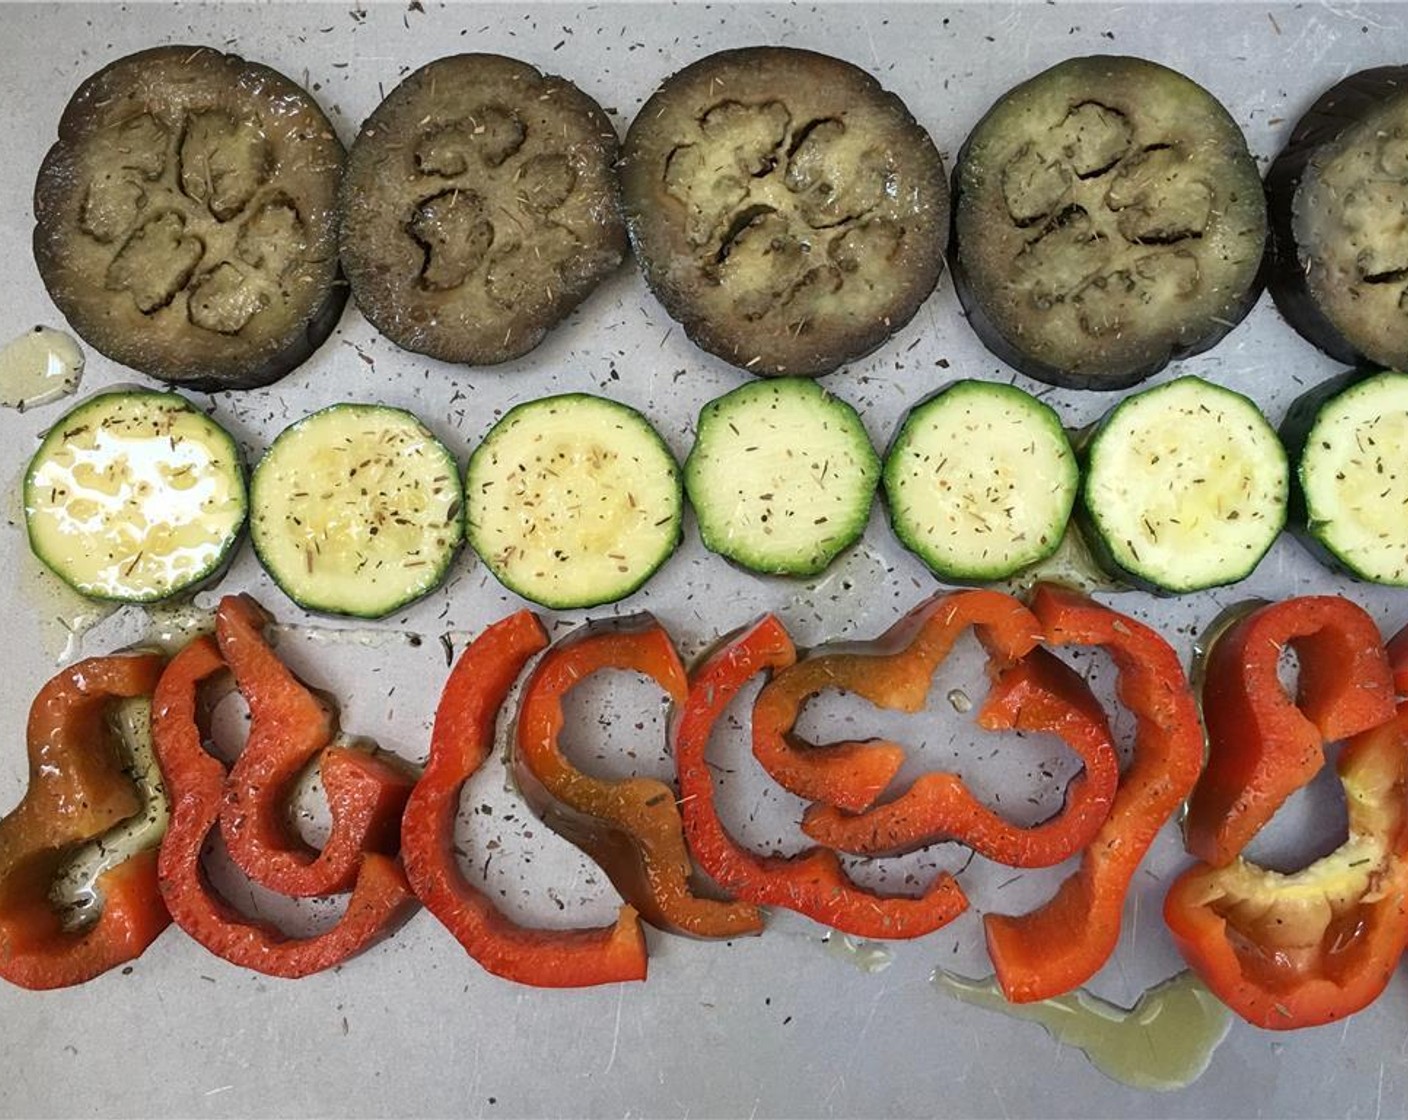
[(1095, 534), (1064, 487), (1301, 420), (270, 476), (480, 471), (1027, 320), (721, 531), (92, 412), (1346, 113)]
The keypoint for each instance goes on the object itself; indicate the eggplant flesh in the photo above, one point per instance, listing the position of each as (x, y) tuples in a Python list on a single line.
[(480, 207), (1108, 218), (1338, 197), (789, 212), (185, 219)]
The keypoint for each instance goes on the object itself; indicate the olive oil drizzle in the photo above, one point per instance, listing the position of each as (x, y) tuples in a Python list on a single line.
[(1164, 1042), (40, 366)]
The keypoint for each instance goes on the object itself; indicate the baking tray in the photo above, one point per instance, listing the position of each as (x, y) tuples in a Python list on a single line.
[(785, 1024)]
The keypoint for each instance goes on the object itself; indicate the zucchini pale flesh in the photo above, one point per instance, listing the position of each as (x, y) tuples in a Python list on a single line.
[(1107, 218), (781, 477), (356, 510), (1349, 485), (135, 496), (1184, 487), (573, 501), (980, 481)]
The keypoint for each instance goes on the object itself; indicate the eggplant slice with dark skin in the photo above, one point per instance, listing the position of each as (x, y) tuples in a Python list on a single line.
[(480, 207), (787, 210), (1338, 196), (1107, 218), (185, 222)]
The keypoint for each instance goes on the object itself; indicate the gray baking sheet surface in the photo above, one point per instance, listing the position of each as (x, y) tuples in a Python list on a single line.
[(786, 1024)]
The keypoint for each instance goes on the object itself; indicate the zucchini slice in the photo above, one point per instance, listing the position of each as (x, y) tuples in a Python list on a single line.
[(1338, 196), (789, 212), (1185, 487), (573, 501), (1349, 488), (1107, 218), (356, 510), (135, 496), (185, 220), (781, 477), (980, 481), (480, 207)]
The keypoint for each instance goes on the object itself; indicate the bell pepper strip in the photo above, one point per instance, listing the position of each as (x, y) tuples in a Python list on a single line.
[(461, 740), (631, 828), (1063, 943), (1397, 649), (288, 727), (894, 671), (78, 789), (1285, 951), (1039, 693), (812, 882), (1264, 746), (196, 781), (74, 890)]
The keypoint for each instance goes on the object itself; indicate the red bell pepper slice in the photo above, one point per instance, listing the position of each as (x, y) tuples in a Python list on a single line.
[(631, 828), (811, 882), (1063, 943), (77, 790), (1039, 693), (1264, 746), (895, 671), (195, 782), (1285, 951), (461, 740), (288, 727)]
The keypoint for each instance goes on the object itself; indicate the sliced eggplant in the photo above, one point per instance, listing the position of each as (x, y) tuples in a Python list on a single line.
[(480, 207), (185, 220), (787, 210), (1338, 197), (1107, 218)]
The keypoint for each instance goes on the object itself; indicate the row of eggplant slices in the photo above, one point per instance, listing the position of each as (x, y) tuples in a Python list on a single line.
[(788, 211), (575, 500)]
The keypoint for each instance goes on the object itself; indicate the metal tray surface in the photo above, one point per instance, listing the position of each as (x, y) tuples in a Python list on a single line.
[(786, 1024)]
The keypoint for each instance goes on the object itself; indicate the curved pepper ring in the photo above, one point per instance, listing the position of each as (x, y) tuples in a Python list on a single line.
[(632, 828), (811, 882), (195, 781), (461, 740), (288, 726), (1285, 951), (77, 790), (1066, 941), (895, 671)]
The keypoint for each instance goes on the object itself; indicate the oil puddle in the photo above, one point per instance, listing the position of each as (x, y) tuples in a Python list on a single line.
[(1164, 1042), (40, 366), (866, 956)]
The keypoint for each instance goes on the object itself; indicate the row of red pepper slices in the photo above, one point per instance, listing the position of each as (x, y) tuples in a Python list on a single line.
[(1282, 951)]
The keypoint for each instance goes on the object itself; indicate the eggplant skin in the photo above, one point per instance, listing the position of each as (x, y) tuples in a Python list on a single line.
[(480, 207), (785, 209), (1108, 218), (1341, 179), (185, 218)]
